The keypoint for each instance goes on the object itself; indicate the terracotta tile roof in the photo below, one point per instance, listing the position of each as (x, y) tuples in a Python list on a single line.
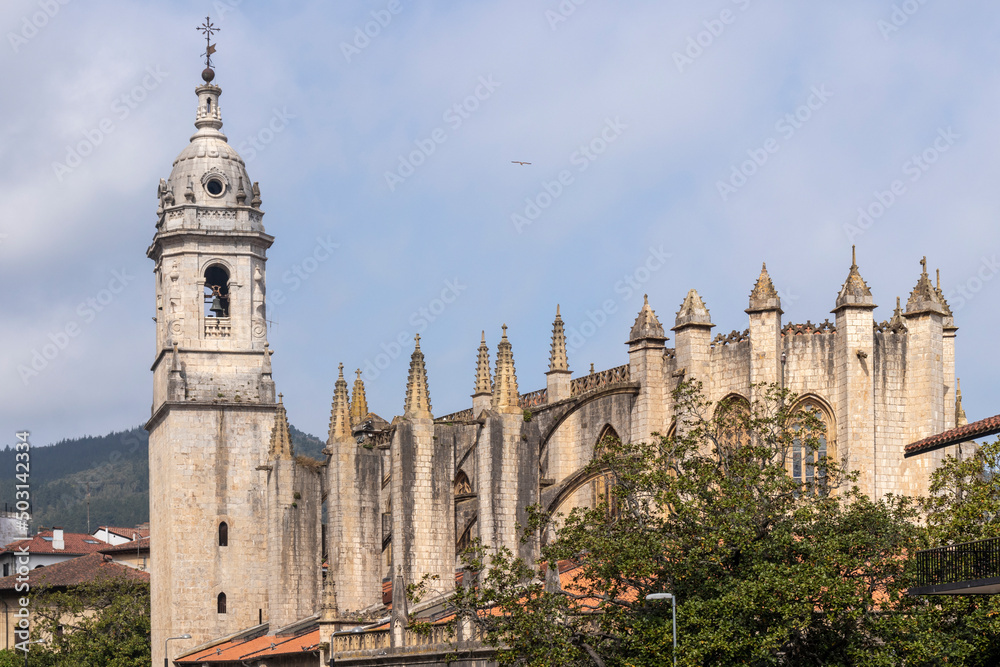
[(979, 429), (76, 571), (76, 544), (239, 650), (142, 544)]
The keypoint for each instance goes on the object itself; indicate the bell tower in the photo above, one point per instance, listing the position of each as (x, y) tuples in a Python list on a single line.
[(213, 397)]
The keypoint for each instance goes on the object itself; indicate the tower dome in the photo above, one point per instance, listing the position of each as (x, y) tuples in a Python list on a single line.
[(209, 172)]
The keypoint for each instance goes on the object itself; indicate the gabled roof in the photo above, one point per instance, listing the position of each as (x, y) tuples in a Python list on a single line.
[(75, 571), (75, 544), (127, 533), (979, 429), (142, 544), (259, 648)]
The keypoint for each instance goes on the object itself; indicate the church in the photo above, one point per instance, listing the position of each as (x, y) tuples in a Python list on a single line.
[(263, 557)]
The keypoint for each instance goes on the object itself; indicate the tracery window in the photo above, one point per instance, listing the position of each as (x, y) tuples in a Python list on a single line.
[(811, 449)]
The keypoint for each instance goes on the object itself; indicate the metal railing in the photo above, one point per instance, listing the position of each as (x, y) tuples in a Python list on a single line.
[(969, 561)]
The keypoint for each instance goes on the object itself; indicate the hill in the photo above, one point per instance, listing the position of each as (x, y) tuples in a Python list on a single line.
[(112, 471)]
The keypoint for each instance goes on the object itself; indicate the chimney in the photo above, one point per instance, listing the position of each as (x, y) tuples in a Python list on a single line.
[(57, 539)]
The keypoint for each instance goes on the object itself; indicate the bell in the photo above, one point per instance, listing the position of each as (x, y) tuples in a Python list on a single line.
[(216, 307)]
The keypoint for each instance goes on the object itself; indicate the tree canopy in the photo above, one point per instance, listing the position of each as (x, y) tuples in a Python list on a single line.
[(767, 568)]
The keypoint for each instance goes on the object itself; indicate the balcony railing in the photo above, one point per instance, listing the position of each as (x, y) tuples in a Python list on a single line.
[(958, 564), (218, 327)]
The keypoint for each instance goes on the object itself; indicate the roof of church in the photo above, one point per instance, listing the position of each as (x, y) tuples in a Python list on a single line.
[(979, 429), (236, 651)]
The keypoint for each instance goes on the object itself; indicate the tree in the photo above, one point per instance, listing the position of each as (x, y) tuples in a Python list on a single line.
[(101, 623), (766, 568)]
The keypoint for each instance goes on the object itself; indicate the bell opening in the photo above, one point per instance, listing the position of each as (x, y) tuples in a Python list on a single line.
[(216, 292)]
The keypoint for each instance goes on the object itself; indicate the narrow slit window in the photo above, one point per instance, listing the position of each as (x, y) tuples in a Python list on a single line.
[(223, 534), (222, 603)]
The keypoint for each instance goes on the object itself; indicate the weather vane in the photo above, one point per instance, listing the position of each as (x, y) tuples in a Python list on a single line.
[(208, 30)]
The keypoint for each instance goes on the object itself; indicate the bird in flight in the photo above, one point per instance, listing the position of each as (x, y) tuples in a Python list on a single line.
[(519, 162)]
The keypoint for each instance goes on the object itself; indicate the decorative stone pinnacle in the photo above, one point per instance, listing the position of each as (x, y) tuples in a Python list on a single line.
[(693, 313), (418, 397), (265, 364), (925, 298), (960, 418), (484, 383), (855, 292), (505, 394), (340, 411), (764, 296), (646, 327), (897, 323), (558, 361), (359, 403), (281, 439), (944, 302)]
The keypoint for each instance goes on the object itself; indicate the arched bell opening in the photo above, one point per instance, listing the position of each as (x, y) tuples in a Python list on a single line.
[(216, 291)]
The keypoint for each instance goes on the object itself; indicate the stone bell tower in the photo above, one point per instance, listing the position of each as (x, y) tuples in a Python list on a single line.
[(213, 397)]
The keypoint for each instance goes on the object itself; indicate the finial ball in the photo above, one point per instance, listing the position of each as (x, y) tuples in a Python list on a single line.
[(208, 74)]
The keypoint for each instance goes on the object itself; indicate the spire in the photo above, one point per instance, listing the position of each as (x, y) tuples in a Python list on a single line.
[(340, 419), (924, 297), (855, 292), (484, 383), (281, 439), (897, 323), (960, 418), (359, 404), (418, 395), (692, 313), (557, 358), (505, 396), (764, 296), (947, 309), (646, 326)]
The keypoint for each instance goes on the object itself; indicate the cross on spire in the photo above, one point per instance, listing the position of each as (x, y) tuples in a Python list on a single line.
[(208, 30)]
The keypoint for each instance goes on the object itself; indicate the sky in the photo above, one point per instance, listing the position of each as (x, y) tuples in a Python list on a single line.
[(671, 146)]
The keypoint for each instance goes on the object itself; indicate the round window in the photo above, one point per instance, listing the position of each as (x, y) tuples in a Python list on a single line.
[(214, 187)]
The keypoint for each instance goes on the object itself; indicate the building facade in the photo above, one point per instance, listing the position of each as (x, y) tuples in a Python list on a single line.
[(238, 521)]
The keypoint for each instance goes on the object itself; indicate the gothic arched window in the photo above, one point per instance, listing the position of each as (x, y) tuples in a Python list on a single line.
[(216, 291), (222, 603), (811, 449), (223, 534)]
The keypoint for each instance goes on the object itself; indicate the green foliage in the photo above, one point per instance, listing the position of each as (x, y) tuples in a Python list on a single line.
[(766, 570), (98, 624)]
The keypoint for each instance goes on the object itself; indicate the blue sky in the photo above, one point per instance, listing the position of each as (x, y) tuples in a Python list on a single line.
[(673, 145)]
